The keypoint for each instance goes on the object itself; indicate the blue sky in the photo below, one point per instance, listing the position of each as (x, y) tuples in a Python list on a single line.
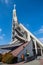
[(29, 13)]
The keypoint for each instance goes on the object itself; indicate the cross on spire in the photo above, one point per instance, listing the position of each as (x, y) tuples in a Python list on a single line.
[(14, 6)]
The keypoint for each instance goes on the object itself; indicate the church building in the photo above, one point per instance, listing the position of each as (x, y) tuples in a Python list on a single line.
[(23, 41)]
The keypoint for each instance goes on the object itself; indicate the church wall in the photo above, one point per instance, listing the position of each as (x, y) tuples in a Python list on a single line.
[(29, 48)]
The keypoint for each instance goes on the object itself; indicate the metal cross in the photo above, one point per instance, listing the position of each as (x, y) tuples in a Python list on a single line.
[(14, 6)]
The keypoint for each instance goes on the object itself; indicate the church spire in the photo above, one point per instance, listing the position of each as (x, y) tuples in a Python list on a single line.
[(14, 14), (14, 23)]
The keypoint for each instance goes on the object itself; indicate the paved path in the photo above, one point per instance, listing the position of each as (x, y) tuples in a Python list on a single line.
[(35, 62), (38, 61)]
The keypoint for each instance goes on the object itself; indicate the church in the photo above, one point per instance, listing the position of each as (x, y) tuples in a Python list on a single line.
[(23, 41)]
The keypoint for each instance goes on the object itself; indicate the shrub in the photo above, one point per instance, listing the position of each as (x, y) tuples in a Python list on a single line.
[(8, 58), (0, 57)]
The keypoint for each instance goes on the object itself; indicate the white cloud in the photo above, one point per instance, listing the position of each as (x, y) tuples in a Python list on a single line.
[(0, 30), (1, 37), (41, 39), (40, 31), (4, 1), (3, 34)]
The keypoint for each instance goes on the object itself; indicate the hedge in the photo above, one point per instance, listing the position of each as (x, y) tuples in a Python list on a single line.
[(8, 58)]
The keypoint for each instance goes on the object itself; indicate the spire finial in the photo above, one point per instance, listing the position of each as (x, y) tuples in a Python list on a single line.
[(14, 6)]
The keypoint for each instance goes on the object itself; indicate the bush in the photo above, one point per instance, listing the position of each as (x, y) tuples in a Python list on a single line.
[(0, 57), (8, 58)]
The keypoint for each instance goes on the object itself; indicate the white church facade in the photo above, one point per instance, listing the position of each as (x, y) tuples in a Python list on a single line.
[(23, 41)]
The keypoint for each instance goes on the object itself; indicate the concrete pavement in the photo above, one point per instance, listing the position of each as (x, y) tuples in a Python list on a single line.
[(34, 62), (38, 61)]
